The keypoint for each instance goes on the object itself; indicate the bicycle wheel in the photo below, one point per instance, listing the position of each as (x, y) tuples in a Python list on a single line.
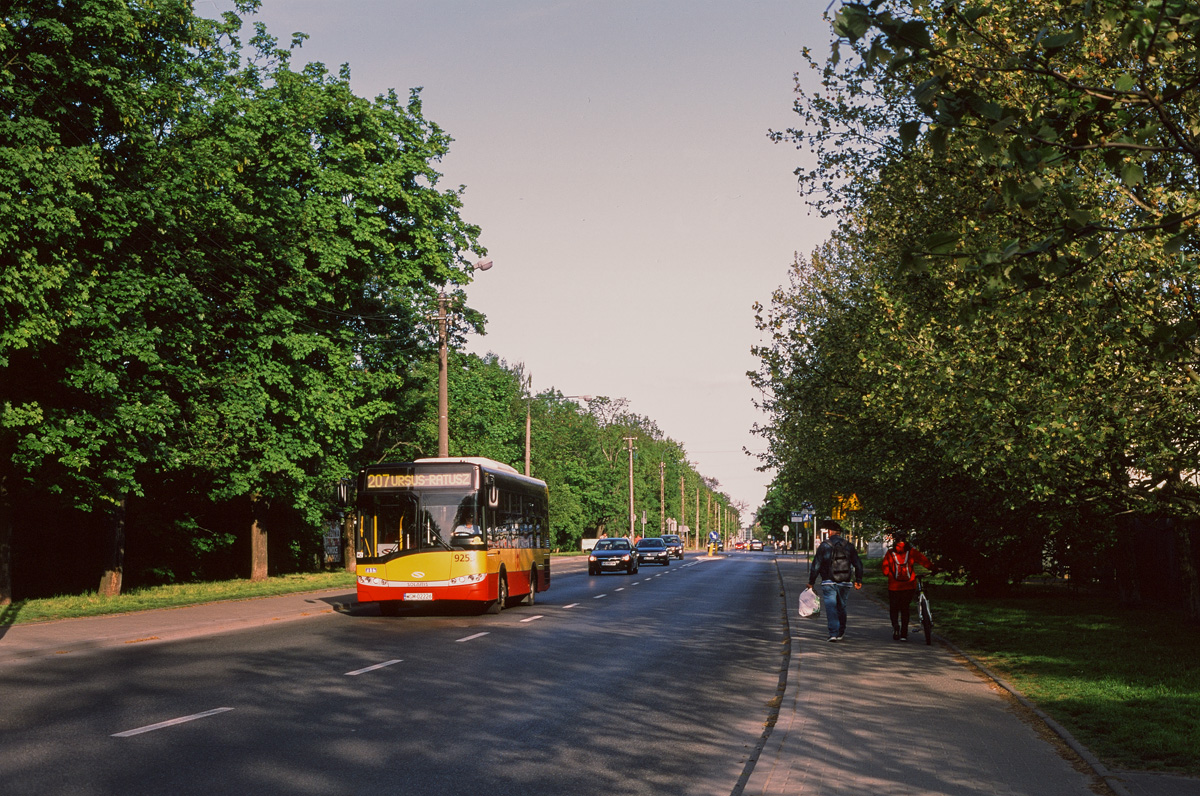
[(926, 618)]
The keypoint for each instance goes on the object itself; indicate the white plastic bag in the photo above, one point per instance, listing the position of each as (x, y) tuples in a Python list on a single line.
[(810, 603)]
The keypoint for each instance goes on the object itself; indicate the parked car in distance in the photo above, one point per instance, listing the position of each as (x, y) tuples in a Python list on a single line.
[(756, 544), (612, 555), (674, 545), (653, 550)]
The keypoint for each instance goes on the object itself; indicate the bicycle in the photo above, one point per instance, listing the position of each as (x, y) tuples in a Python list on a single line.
[(925, 612)]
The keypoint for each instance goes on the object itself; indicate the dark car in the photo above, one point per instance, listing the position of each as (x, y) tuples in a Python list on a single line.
[(674, 545), (653, 550), (613, 555)]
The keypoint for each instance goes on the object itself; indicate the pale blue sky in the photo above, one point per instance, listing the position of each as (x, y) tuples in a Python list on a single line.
[(615, 154)]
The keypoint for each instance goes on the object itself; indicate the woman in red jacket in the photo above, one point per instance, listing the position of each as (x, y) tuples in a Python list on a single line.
[(899, 564)]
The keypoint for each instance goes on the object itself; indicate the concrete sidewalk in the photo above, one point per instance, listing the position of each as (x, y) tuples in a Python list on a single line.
[(65, 636), (871, 715)]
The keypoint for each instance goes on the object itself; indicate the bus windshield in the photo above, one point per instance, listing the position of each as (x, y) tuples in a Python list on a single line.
[(396, 523)]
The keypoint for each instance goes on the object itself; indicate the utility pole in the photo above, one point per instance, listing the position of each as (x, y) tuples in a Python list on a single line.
[(682, 503), (629, 441), (697, 516), (528, 411), (443, 348), (662, 497), (443, 389), (708, 523)]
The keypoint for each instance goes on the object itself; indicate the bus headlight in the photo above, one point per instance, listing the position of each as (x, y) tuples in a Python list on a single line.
[(463, 580)]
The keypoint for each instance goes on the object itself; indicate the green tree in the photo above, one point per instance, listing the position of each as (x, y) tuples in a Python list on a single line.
[(90, 91), (331, 234), (1023, 376), (214, 268)]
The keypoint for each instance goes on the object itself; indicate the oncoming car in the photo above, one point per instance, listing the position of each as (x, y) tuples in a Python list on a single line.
[(653, 550), (674, 545), (612, 555), (756, 544)]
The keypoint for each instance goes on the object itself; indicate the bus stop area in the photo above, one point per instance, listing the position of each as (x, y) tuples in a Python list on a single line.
[(871, 715)]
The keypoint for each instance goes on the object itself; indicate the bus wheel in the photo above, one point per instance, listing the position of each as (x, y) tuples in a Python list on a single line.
[(501, 597), (531, 598)]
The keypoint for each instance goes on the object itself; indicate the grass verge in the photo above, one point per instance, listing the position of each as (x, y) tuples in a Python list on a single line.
[(1124, 681), (172, 596)]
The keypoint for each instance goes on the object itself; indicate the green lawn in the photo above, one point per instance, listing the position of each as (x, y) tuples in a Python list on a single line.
[(1124, 681)]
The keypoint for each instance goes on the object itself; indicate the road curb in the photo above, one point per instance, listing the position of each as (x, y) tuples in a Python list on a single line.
[(1084, 753), (780, 692)]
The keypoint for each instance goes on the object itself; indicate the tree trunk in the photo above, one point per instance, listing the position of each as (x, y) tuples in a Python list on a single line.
[(110, 581), (348, 555), (1125, 563), (6, 534), (258, 543), (1187, 569)]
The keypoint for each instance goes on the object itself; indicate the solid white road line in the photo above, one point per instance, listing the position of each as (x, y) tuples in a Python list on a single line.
[(372, 668), (171, 723)]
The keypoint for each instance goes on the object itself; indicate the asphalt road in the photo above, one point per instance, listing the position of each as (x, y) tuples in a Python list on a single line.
[(657, 683)]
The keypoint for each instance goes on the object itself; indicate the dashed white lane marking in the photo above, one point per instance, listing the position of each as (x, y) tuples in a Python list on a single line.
[(599, 596), (470, 638), (372, 668), (532, 618), (620, 588), (170, 723), (572, 605)]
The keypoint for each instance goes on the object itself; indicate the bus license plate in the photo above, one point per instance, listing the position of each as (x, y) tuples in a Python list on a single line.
[(421, 596)]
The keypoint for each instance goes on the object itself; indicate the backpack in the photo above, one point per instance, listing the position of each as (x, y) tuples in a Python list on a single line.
[(902, 571), (840, 569)]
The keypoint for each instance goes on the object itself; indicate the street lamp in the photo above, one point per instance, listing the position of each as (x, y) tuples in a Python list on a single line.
[(443, 388)]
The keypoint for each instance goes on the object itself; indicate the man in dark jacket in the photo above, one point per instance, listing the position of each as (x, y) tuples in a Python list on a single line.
[(838, 565)]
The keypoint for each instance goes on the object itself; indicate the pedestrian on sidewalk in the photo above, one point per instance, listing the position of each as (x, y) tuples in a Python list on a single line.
[(899, 564), (837, 564)]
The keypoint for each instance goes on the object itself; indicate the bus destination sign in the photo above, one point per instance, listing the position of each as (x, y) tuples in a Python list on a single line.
[(415, 479)]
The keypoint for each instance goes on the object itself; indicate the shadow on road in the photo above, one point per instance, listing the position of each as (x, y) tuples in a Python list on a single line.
[(8, 616)]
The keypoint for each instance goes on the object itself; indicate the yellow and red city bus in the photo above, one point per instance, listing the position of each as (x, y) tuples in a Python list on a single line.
[(468, 529)]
